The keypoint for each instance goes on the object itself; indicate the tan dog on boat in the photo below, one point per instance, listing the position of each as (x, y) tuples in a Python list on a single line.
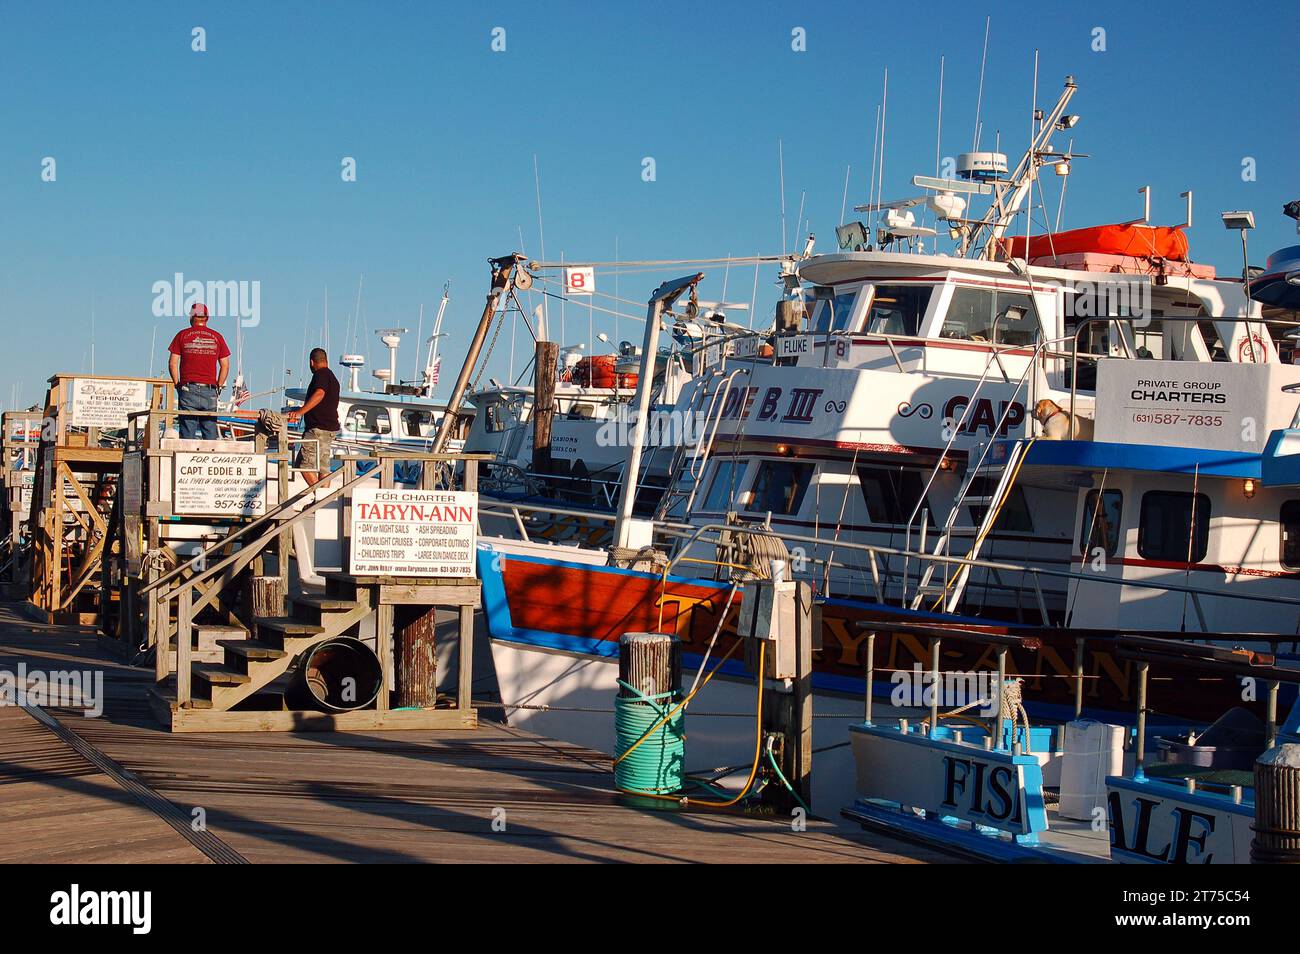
[(1057, 421)]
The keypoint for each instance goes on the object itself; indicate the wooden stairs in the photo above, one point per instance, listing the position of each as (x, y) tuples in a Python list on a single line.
[(239, 692)]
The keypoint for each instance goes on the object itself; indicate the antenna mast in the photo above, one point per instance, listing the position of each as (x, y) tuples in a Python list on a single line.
[(1009, 193)]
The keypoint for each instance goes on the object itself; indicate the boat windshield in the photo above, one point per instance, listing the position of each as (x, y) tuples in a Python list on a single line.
[(834, 314), (898, 309)]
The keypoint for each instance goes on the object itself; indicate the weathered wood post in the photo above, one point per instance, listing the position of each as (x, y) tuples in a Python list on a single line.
[(266, 596), (417, 662), (547, 356)]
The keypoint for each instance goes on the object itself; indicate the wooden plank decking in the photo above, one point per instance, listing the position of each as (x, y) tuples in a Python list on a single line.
[(417, 796)]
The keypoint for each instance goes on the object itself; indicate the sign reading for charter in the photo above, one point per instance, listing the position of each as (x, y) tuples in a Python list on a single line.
[(100, 402), (413, 532), (220, 485)]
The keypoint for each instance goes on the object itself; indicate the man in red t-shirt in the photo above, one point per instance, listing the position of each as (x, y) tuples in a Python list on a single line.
[(199, 364)]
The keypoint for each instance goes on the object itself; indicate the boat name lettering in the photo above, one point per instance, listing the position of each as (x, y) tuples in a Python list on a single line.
[(983, 416), (803, 401), (738, 403), (983, 789), (407, 513), (1182, 840)]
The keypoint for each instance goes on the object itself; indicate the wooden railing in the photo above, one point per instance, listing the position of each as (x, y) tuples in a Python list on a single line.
[(275, 526)]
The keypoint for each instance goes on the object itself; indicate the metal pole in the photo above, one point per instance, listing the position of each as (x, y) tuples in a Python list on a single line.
[(503, 282), (661, 301), (1141, 751), (934, 687), (871, 677), (1078, 678), (1272, 712), (1002, 681)]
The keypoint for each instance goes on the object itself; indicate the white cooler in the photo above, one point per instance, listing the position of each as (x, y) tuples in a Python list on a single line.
[(1092, 750)]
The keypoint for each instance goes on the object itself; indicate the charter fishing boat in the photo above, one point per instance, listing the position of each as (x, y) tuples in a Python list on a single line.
[(874, 440), (583, 466)]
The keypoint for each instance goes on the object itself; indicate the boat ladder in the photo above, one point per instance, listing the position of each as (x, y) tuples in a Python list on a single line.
[(949, 591)]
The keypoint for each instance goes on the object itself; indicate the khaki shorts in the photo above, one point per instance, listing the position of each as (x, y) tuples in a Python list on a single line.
[(314, 452)]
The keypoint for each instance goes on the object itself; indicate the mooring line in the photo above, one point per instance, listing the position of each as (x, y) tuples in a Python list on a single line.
[(209, 844)]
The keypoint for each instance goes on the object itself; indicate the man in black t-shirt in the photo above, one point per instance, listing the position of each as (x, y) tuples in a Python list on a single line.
[(320, 418)]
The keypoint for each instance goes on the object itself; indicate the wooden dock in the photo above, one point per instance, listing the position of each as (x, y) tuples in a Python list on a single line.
[(120, 789)]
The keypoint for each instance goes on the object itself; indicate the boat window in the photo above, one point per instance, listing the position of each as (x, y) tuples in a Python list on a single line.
[(779, 486), (1213, 343), (494, 421), (833, 314), (1100, 526), (891, 493), (1149, 340), (369, 420), (1017, 320), (898, 309), (1290, 521), (1014, 515), (414, 422), (723, 489), (1166, 530), (581, 412), (973, 311)]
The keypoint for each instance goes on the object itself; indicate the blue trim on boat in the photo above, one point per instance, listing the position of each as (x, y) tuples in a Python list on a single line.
[(1151, 458), (944, 836), (1282, 469)]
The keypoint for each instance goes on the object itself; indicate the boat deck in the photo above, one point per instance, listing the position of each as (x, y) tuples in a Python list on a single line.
[(119, 789)]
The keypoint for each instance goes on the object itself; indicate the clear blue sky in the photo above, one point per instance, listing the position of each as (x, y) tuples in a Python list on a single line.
[(226, 164)]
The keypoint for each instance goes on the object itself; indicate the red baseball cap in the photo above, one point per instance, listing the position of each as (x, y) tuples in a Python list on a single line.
[(199, 309)]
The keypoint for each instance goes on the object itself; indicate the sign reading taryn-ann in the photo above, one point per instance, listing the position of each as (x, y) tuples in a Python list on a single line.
[(413, 532), (221, 485), (104, 402)]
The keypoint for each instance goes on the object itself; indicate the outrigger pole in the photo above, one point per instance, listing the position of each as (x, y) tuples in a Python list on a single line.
[(660, 302), (503, 284)]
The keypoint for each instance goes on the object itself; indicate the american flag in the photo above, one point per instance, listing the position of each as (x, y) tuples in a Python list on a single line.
[(240, 394), (433, 375)]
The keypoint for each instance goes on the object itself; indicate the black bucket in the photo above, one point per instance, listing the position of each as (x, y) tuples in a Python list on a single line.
[(321, 680)]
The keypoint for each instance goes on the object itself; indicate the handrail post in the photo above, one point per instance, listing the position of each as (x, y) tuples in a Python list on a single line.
[(1140, 753), (158, 618), (1001, 688), (1271, 732), (934, 688), (870, 677), (284, 473), (1078, 677), (184, 633)]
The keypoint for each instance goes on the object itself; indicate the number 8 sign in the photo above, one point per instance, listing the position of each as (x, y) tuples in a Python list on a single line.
[(579, 281)]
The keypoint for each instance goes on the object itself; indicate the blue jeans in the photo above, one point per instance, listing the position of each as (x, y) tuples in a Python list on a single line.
[(197, 397)]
